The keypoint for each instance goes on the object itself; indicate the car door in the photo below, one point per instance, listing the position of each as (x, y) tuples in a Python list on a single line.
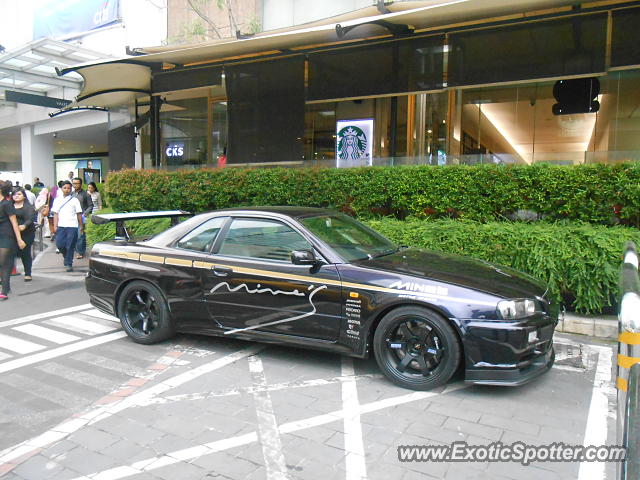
[(255, 286), (186, 269)]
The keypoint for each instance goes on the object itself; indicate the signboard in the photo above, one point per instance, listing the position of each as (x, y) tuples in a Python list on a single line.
[(39, 100), (354, 142), (174, 150), (59, 19)]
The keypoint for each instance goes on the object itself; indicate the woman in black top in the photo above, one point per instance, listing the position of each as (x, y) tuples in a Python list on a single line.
[(25, 214), (10, 239)]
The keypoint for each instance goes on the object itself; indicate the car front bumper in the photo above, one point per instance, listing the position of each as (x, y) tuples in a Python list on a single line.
[(508, 353)]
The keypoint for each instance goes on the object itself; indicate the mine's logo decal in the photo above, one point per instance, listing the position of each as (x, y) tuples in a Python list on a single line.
[(352, 143), (420, 287), (243, 286)]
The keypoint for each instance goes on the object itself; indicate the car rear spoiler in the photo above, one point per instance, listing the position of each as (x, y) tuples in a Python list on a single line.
[(120, 218)]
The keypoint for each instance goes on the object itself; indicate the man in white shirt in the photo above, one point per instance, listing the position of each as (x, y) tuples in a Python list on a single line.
[(67, 222), (31, 197)]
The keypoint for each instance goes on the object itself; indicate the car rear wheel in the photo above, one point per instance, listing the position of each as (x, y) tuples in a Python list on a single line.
[(416, 348), (144, 314)]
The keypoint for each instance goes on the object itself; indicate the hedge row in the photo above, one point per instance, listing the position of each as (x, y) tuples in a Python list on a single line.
[(593, 193), (580, 262)]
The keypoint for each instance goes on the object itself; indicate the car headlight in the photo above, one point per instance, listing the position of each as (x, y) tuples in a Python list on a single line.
[(517, 308)]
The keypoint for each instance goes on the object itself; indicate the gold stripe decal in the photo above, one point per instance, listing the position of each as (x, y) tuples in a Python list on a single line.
[(178, 261), (199, 264), (305, 278), (120, 254), (151, 258)]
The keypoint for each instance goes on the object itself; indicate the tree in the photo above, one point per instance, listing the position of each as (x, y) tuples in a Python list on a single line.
[(208, 25)]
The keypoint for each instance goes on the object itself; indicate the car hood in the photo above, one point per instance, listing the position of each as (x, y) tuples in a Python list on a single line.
[(458, 270)]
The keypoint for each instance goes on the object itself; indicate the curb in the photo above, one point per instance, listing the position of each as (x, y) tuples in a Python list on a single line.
[(600, 327)]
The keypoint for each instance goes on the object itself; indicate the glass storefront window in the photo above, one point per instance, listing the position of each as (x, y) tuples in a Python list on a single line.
[(184, 132), (219, 128)]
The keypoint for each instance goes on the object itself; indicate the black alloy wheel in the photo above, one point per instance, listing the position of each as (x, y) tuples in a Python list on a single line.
[(416, 348), (144, 314)]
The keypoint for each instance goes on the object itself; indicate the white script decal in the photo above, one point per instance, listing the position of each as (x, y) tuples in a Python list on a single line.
[(295, 292)]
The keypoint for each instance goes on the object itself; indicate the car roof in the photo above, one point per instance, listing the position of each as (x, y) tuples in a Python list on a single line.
[(289, 211)]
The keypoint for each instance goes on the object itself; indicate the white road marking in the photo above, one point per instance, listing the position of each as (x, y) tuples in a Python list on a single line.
[(93, 415), (46, 333), (40, 316), (80, 325), (268, 433), (4, 356), (18, 345), (190, 453), (597, 421), (253, 389), (59, 351), (356, 466), (98, 314)]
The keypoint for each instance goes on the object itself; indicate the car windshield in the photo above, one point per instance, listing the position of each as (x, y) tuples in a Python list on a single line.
[(348, 237)]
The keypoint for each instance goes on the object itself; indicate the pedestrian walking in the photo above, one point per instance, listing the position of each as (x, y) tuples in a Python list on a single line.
[(37, 183), (55, 192), (67, 222), (87, 208), (42, 208), (96, 198), (25, 214), (10, 238), (31, 197)]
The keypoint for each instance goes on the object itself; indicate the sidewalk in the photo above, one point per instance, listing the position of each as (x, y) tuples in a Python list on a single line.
[(49, 264)]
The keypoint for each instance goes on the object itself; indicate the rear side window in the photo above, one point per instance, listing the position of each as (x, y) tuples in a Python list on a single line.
[(201, 238), (264, 239)]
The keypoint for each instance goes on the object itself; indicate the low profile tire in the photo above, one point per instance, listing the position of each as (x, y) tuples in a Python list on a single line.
[(416, 348), (144, 313)]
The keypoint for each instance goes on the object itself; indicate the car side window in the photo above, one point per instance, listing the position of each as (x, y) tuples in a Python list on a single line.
[(264, 239), (201, 238)]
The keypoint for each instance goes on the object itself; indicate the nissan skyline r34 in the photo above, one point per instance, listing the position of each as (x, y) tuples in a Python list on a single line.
[(319, 279)]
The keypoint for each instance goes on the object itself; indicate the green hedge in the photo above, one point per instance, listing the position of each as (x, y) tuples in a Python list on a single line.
[(580, 262), (593, 193), (137, 228)]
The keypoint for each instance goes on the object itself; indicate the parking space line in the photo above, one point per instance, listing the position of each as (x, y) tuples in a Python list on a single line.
[(275, 387), (268, 433), (356, 466), (98, 314), (76, 324), (17, 345), (186, 454), (101, 412), (597, 420), (46, 333), (40, 316), (57, 352)]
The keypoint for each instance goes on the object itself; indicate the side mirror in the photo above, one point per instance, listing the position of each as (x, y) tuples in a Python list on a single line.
[(303, 257)]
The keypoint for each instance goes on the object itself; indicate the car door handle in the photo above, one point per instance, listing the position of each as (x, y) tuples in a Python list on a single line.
[(222, 271)]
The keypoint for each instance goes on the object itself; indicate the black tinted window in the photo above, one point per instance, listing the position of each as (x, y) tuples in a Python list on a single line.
[(201, 238), (264, 239)]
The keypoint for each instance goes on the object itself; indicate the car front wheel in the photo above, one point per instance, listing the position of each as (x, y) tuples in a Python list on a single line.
[(416, 348), (144, 314)]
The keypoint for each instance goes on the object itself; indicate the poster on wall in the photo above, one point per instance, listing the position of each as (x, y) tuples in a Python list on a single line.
[(68, 169), (354, 143)]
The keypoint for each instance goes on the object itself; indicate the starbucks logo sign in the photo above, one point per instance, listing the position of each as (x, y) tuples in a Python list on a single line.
[(352, 143)]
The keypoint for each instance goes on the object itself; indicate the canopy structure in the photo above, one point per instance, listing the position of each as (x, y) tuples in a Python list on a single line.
[(32, 67), (120, 81)]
